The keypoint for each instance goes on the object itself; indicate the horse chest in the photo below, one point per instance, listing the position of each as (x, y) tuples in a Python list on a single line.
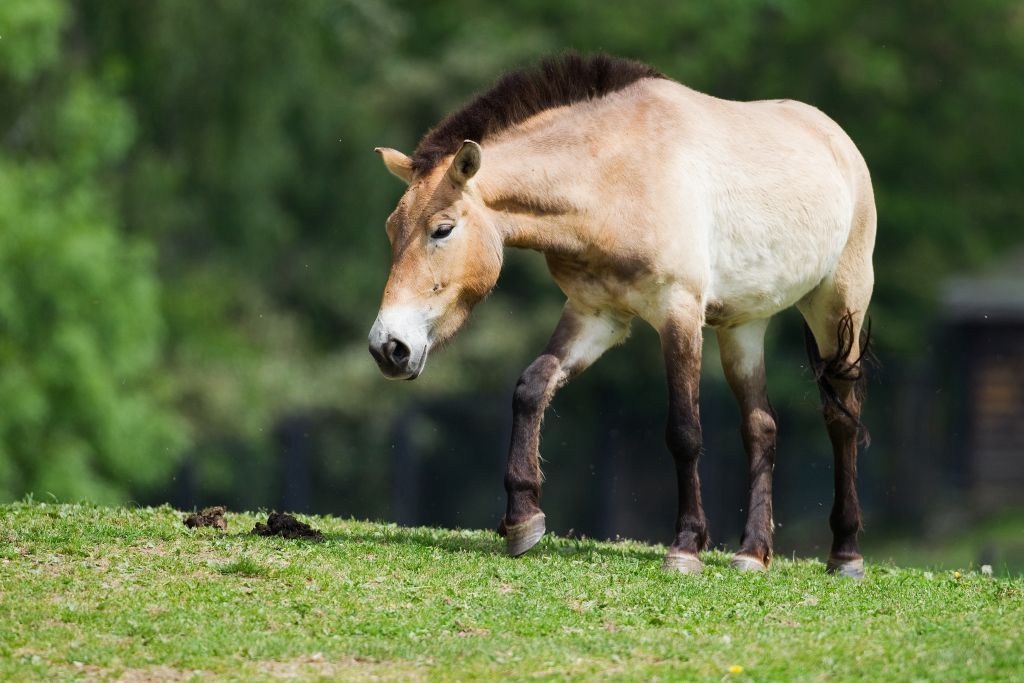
[(627, 286)]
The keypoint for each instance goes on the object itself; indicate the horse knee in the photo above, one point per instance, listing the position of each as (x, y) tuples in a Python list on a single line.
[(522, 480), (843, 412), (845, 520), (761, 429), (534, 386), (684, 439)]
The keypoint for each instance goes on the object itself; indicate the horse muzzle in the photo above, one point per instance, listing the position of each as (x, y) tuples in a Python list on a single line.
[(400, 354)]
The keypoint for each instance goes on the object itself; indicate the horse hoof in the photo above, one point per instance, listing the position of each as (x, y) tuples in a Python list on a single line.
[(684, 563), (746, 563), (519, 538), (851, 569)]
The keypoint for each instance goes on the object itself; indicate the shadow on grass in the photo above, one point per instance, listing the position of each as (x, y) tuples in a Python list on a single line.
[(485, 544), (493, 546), (489, 545)]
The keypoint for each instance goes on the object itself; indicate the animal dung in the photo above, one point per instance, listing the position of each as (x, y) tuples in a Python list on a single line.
[(211, 516), (284, 525)]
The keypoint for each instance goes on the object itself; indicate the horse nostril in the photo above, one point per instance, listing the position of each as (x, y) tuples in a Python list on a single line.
[(398, 351), (377, 355)]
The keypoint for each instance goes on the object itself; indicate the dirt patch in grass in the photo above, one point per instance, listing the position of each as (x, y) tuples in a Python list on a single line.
[(314, 667), (149, 674), (343, 669), (284, 525), (211, 516)]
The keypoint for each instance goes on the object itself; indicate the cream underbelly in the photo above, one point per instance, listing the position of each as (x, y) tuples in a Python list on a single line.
[(760, 278), (770, 246)]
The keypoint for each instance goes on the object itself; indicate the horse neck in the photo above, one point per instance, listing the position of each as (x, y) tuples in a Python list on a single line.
[(537, 200)]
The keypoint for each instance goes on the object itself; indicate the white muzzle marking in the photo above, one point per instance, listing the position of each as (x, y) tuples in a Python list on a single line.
[(395, 328)]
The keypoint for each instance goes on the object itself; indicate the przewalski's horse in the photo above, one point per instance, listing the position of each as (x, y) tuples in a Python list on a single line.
[(649, 200)]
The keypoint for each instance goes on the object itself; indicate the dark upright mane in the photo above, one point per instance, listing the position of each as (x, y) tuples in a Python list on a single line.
[(518, 95)]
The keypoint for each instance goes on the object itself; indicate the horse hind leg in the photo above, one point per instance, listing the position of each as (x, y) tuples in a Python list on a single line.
[(838, 347)]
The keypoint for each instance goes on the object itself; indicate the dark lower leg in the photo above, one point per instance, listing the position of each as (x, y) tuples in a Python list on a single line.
[(523, 475), (742, 352), (845, 519), (691, 526), (759, 442), (577, 341), (682, 347)]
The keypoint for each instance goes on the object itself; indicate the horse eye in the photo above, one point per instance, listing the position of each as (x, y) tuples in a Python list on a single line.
[(442, 231)]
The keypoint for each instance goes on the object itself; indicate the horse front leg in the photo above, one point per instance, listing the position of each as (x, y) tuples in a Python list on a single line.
[(578, 340), (742, 351), (681, 342)]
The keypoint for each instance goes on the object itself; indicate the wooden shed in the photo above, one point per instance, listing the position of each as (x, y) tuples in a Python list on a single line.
[(985, 318)]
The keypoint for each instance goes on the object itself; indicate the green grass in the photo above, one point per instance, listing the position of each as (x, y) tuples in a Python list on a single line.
[(103, 593), (244, 566), (998, 541)]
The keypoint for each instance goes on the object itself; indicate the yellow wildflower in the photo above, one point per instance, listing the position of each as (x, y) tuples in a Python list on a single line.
[(735, 669)]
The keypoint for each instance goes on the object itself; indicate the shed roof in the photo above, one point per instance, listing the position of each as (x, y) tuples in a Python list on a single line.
[(997, 296)]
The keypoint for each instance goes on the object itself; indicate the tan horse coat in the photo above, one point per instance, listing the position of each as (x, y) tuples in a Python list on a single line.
[(660, 203)]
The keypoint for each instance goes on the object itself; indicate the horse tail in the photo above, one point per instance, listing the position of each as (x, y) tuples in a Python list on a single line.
[(841, 367)]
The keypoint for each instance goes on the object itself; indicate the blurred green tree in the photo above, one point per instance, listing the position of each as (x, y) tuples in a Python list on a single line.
[(81, 387)]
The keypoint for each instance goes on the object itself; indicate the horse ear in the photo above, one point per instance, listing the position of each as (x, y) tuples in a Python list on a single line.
[(466, 163), (396, 162)]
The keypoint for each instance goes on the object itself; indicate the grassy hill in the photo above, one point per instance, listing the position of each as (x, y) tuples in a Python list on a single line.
[(100, 593)]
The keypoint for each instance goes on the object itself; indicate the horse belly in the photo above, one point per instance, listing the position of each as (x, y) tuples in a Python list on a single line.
[(766, 256)]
